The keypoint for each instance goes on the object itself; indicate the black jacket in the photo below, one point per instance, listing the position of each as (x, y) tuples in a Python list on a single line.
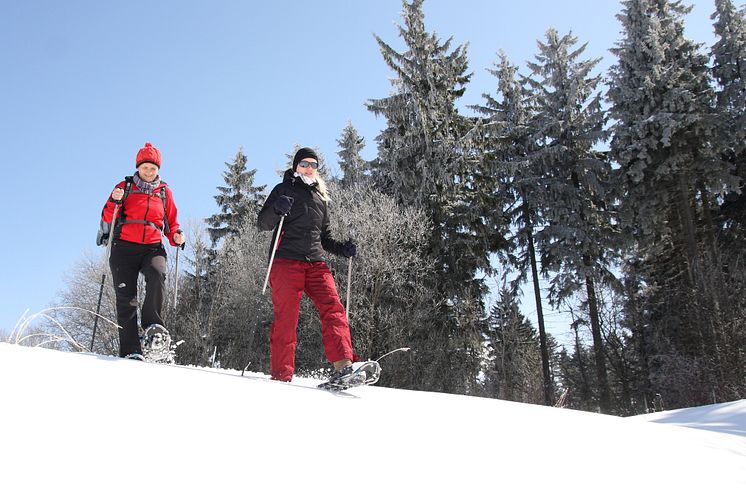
[(305, 231)]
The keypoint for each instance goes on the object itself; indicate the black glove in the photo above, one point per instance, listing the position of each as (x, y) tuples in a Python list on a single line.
[(282, 205), (349, 249)]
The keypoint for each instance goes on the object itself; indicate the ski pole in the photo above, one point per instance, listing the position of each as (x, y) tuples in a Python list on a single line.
[(103, 276), (272, 257)]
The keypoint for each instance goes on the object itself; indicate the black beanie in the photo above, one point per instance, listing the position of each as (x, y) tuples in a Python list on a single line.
[(304, 153)]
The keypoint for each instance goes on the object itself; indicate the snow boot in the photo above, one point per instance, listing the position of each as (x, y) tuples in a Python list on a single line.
[(341, 377)]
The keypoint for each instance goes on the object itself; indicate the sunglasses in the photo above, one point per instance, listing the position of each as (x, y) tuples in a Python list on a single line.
[(305, 163)]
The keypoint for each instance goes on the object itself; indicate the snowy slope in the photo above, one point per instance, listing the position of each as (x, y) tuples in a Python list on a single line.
[(728, 417), (77, 424)]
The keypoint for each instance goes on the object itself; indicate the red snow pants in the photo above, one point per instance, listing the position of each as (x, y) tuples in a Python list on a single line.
[(288, 280)]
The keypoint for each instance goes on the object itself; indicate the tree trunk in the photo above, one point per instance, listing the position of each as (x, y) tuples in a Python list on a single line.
[(687, 221), (640, 334), (548, 386), (586, 389), (604, 397)]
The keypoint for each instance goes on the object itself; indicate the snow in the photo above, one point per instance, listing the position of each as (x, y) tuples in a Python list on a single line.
[(728, 417), (82, 424)]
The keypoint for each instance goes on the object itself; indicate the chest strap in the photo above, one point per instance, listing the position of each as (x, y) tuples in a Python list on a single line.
[(140, 221)]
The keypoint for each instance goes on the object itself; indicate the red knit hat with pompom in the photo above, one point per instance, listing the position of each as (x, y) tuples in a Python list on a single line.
[(148, 154)]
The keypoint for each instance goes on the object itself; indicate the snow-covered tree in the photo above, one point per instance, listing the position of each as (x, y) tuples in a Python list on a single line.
[(670, 179), (239, 200), (79, 298), (422, 152), (508, 140), (425, 160), (515, 371), (729, 71), (193, 320), (578, 236), (390, 299), (353, 166), (417, 151), (661, 105)]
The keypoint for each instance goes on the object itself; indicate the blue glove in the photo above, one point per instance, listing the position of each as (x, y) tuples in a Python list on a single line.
[(349, 249), (282, 205)]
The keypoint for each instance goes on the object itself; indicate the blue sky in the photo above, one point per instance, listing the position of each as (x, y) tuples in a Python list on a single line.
[(86, 83)]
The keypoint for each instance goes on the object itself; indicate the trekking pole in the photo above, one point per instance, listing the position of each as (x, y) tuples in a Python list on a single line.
[(103, 276), (272, 257), (349, 284), (176, 276), (98, 308)]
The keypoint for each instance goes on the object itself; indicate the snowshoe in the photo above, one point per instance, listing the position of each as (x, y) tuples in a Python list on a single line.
[(156, 345), (355, 375)]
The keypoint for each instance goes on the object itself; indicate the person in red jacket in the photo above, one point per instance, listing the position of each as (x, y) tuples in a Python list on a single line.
[(146, 214)]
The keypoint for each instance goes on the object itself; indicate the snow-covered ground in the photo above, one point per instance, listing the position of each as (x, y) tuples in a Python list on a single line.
[(80, 424), (728, 417)]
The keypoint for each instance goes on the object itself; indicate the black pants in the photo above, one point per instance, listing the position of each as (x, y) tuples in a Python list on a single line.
[(127, 260)]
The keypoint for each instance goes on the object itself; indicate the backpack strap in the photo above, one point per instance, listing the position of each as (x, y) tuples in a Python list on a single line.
[(127, 186), (166, 229), (122, 218)]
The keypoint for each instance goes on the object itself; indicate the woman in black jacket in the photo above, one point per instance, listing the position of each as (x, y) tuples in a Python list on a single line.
[(299, 267)]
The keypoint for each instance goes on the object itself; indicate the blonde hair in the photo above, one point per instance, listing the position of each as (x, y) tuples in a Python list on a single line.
[(322, 188)]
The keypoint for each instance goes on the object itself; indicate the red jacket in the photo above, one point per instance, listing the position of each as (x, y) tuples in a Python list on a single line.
[(147, 213)]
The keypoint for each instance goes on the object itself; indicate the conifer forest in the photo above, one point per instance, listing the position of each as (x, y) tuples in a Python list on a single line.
[(620, 193)]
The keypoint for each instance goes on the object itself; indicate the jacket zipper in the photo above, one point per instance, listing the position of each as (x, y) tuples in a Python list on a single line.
[(145, 218)]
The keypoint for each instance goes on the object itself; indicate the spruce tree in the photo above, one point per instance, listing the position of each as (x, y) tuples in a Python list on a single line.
[(425, 161), (660, 102), (515, 371), (729, 71), (507, 141), (204, 315), (577, 239), (239, 200), (662, 108), (576, 376), (353, 166)]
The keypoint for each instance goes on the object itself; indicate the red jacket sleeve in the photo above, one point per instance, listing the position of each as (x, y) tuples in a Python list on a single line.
[(171, 217), (108, 209)]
